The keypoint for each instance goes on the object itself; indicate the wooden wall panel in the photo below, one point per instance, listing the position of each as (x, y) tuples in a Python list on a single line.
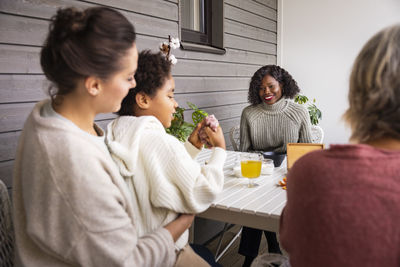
[(8, 145), (13, 116), (233, 41), (207, 68), (268, 3), (22, 30), (46, 9), (19, 59), (38, 8), (6, 168), (205, 100), (210, 84), (216, 83), (254, 7), (16, 88), (155, 8), (243, 30), (245, 17)]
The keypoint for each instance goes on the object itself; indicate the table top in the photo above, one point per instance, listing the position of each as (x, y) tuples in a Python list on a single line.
[(259, 207)]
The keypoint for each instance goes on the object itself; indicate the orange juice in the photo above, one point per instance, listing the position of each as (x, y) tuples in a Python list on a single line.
[(251, 168)]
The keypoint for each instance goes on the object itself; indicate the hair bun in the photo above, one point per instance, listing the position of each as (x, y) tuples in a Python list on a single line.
[(67, 23)]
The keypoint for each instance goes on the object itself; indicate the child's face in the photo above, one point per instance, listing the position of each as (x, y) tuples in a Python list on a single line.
[(163, 104)]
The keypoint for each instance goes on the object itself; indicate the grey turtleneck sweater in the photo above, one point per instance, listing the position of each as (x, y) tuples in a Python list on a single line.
[(266, 127)]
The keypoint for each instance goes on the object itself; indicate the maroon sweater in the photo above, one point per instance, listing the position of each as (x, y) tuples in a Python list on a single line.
[(343, 208)]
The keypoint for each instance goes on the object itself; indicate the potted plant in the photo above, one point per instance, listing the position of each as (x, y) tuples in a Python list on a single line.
[(182, 129), (315, 116), (313, 110)]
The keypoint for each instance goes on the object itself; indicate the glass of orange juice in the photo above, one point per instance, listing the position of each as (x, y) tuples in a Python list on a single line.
[(250, 164)]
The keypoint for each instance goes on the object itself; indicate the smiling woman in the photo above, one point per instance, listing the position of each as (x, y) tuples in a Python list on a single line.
[(269, 124), (272, 120), (71, 206)]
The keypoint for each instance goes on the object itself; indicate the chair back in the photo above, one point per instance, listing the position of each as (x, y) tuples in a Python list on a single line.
[(6, 229), (234, 136), (317, 134)]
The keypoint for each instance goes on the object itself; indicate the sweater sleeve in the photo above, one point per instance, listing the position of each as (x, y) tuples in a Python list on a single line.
[(177, 181), (305, 128), (245, 142), (77, 213), (191, 149)]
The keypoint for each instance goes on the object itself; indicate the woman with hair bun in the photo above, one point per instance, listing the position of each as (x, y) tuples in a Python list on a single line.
[(71, 206), (268, 124), (343, 203)]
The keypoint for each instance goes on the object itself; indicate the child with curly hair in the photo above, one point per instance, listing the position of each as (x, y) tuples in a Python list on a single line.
[(160, 171)]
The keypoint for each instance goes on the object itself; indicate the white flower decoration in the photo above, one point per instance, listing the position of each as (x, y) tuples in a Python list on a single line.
[(174, 43), (173, 59), (165, 48)]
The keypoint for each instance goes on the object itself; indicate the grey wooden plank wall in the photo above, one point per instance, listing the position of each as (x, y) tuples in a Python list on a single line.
[(215, 83)]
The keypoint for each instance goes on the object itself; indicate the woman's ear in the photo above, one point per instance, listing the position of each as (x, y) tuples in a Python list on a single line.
[(142, 100), (92, 85)]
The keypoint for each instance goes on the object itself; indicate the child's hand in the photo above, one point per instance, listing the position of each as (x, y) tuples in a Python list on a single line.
[(209, 122), (215, 138), (194, 137)]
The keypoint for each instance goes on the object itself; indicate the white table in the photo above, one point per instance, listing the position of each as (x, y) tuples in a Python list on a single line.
[(258, 207)]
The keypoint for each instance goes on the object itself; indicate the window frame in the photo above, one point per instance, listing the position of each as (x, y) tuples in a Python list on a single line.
[(213, 40)]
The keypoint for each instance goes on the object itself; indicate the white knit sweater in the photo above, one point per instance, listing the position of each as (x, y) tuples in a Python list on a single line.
[(161, 172), (71, 206)]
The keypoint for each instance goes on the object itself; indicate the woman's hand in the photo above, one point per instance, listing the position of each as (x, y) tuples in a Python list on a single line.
[(179, 225), (194, 138)]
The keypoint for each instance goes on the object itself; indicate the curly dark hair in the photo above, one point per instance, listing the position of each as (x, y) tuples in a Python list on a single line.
[(153, 70), (288, 84)]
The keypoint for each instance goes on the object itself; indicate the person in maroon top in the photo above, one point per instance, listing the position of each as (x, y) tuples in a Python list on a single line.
[(343, 203)]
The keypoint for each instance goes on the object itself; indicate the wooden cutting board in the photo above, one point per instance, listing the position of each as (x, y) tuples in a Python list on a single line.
[(297, 150)]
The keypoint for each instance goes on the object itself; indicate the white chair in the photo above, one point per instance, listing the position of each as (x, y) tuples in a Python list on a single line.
[(317, 134), (6, 228), (234, 136)]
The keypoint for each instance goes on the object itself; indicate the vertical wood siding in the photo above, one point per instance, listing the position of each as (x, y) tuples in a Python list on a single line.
[(215, 83)]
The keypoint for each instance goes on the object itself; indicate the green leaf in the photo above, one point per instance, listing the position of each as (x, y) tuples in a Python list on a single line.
[(301, 99), (198, 115), (182, 129), (314, 112)]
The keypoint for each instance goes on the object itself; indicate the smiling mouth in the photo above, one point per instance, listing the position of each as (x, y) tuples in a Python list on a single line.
[(268, 98)]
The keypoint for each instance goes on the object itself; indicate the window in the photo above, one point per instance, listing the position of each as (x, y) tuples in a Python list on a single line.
[(202, 25)]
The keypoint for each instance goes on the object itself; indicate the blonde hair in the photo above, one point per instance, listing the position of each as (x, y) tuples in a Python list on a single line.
[(374, 95)]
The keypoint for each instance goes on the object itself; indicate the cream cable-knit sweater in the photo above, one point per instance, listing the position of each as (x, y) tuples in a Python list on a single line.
[(71, 206), (270, 127), (161, 172)]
